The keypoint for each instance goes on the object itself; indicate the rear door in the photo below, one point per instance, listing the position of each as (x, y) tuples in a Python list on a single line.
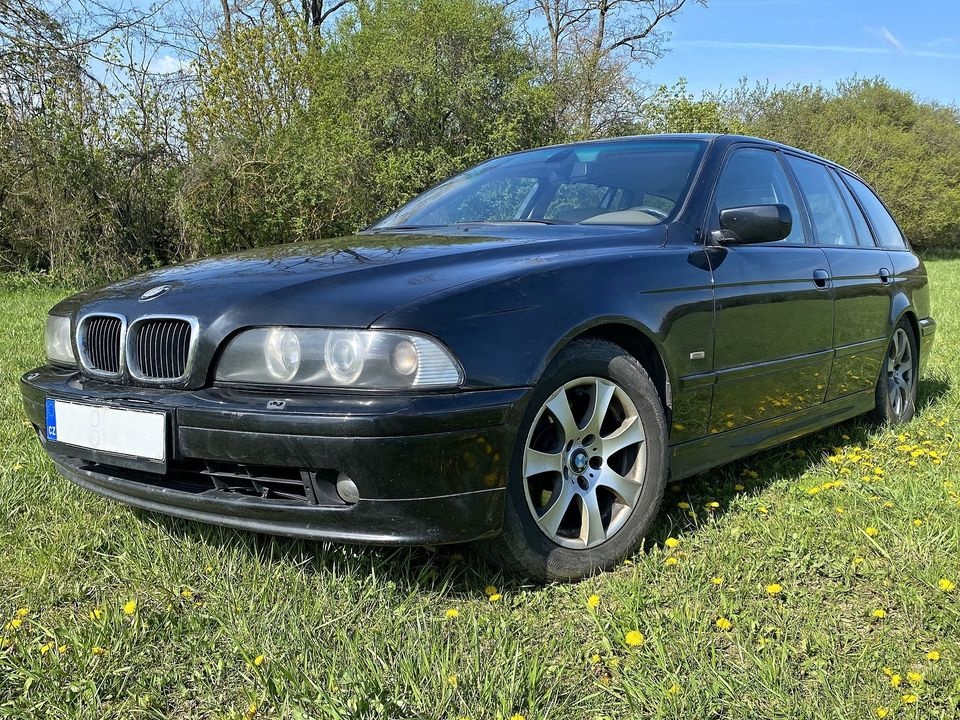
[(861, 273), (774, 304)]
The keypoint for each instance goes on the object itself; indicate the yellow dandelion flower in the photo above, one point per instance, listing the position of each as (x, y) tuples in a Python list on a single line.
[(452, 680), (888, 504), (62, 649), (933, 655), (774, 589), (251, 711), (595, 659), (96, 614), (882, 712), (839, 510), (918, 522), (13, 624), (451, 613), (671, 542), (130, 607), (258, 660), (724, 624), (762, 510), (517, 716), (879, 613), (634, 638), (593, 601), (97, 650), (186, 593), (46, 647), (718, 580), (895, 680), (673, 689), (713, 505), (671, 561), (814, 490), (495, 597), (909, 698), (871, 531), (857, 560), (683, 505), (946, 585), (914, 678), (22, 612), (490, 590)]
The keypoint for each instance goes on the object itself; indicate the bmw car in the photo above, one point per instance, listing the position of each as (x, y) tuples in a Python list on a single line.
[(521, 357)]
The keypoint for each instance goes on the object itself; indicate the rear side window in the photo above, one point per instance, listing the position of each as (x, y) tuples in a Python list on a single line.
[(888, 234), (864, 236), (755, 177), (831, 222)]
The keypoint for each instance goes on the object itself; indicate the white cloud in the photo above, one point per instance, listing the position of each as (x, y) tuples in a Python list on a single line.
[(801, 47), (167, 64), (890, 38)]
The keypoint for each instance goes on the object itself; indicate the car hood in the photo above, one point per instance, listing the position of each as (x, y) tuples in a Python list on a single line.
[(349, 281)]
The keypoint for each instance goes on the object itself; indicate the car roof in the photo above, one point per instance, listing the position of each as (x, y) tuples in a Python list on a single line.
[(722, 139)]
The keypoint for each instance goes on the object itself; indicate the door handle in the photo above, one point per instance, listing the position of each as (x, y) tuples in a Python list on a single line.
[(821, 278), (884, 275)]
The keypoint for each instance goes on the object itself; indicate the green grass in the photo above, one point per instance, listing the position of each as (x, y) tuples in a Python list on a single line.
[(352, 632)]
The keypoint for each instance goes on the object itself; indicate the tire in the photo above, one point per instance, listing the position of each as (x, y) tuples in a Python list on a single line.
[(580, 515), (896, 393)]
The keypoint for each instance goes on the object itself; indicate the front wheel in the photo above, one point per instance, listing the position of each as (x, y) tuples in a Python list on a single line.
[(896, 392), (588, 468)]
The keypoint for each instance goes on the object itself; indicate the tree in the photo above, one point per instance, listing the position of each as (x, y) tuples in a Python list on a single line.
[(592, 47)]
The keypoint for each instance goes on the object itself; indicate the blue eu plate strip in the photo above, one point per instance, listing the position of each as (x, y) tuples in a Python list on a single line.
[(51, 419)]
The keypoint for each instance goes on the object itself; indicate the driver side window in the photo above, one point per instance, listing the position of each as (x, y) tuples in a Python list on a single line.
[(753, 176)]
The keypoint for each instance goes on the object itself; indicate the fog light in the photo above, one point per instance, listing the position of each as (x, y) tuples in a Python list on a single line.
[(347, 490)]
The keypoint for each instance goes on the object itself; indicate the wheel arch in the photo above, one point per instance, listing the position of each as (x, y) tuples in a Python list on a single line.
[(635, 340), (904, 310)]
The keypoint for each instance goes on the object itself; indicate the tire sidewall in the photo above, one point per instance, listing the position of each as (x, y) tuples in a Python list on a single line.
[(537, 554)]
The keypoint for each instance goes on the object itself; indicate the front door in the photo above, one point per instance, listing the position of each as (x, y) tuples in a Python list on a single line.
[(773, 304)]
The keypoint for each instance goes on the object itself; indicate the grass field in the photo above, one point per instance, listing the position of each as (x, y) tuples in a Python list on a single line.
[(813, 581)]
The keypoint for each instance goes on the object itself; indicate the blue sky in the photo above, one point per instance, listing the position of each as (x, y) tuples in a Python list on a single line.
[(915, 45)]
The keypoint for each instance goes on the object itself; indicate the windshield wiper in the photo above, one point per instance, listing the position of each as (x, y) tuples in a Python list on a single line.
[(536, 221)]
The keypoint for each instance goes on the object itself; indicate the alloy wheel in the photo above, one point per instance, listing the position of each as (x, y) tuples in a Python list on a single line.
[(900, 375), (584, 462)]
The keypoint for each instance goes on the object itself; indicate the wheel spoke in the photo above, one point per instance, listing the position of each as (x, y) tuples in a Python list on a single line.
[(603, 392), (630, 433), (624, 488), (559, 406), (536, 462), (550, 520), (591, 523)]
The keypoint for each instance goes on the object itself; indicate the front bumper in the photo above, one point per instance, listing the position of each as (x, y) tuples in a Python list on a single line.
[(430, 469)]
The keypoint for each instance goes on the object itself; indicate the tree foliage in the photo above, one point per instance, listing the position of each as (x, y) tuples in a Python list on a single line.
[(288, 120)]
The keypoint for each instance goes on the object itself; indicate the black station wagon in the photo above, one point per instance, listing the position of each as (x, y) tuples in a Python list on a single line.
[(522, 356)]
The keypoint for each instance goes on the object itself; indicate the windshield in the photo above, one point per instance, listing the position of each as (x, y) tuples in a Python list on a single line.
[(620, 182)]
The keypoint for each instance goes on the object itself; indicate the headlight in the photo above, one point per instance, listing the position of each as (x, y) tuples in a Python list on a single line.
[(56, 337), (373, 359)]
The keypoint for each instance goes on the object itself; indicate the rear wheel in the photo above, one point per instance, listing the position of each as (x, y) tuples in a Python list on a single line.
[(896, 391), (589, 466)]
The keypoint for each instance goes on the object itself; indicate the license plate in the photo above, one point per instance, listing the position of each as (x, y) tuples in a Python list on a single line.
[(134, 433)]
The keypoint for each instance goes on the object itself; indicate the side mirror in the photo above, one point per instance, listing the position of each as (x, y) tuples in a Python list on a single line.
[(754, 224)]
